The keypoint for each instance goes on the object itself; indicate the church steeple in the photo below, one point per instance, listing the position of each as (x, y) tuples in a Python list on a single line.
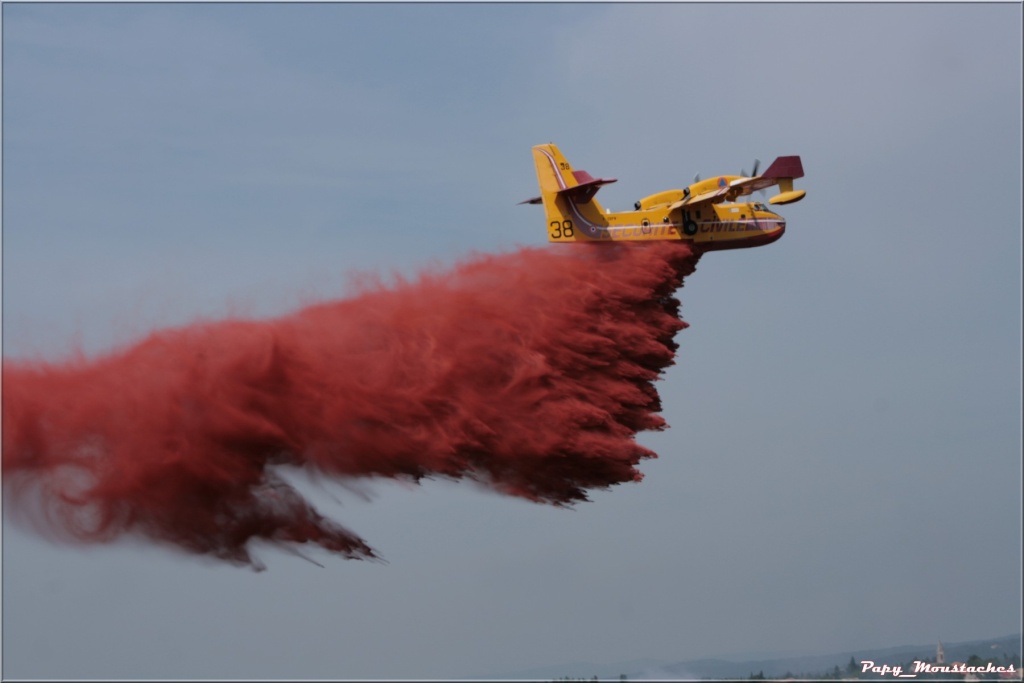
[(940, 654)]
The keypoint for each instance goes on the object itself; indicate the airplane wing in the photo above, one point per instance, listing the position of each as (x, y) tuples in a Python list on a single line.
[(744, 186), (700, 198), (782, 172), (781, 169)]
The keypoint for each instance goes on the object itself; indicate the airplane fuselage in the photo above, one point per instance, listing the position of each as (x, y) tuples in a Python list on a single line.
[(711, 226)]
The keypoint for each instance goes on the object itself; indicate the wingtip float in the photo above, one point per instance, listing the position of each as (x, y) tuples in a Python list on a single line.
[(706, 213)]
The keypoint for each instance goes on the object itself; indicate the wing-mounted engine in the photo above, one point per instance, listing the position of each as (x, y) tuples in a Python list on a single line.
[(712, 190), (661, 199)]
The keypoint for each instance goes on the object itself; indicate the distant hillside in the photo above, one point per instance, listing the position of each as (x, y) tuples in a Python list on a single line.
[(777, 666), (819, 664), (576, 669)]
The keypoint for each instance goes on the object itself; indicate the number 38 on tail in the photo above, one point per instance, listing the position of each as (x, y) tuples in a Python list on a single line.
[(706, 213)]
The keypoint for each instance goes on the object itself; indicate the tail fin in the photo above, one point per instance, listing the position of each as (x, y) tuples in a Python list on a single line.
[(553, 172), (567, 195)]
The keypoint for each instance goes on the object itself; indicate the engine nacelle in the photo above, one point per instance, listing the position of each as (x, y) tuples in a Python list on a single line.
[(661, 199)]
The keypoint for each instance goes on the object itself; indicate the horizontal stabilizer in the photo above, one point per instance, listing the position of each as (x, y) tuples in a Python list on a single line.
[(586, 188), (582, 192)]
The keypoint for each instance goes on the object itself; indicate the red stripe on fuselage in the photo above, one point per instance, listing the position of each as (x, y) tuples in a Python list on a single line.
[(755, 241)]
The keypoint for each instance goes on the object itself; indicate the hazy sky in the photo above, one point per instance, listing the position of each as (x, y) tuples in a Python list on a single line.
[(843, 468)]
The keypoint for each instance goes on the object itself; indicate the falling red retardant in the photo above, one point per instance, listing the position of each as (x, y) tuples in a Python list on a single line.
[(529, 372)]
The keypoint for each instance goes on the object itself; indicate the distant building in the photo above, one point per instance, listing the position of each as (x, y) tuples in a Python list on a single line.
[(940, 654)]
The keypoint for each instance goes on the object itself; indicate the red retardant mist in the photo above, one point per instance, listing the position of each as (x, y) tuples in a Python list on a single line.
[(529, 372)]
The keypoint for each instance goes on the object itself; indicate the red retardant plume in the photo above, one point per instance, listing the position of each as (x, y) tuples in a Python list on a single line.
[(529, 372)]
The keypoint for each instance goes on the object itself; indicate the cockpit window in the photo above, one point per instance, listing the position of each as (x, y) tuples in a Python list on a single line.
[(759, 207)]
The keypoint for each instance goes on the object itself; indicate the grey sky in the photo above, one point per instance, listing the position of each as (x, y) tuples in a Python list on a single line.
[(843, 468)]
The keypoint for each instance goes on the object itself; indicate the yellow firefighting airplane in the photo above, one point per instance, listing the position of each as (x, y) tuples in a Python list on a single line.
[(704, 213)]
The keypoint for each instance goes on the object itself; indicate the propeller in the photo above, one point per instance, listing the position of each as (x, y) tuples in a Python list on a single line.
[(757, 164), (753, 174)]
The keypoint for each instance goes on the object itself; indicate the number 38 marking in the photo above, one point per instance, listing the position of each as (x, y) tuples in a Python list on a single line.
[(561, 229)]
